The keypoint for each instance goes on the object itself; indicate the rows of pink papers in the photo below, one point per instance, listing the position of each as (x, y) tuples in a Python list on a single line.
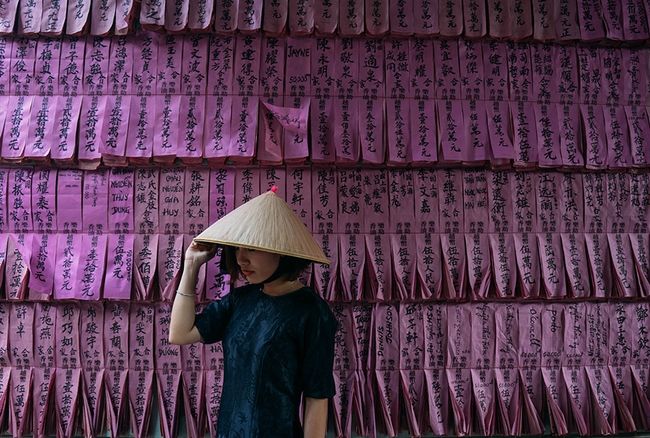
[(161, 98), (390, 234), (512, 19), (451, 369)]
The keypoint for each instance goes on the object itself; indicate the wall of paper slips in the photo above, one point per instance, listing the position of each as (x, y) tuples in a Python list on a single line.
[(282, 100), (541, 20)]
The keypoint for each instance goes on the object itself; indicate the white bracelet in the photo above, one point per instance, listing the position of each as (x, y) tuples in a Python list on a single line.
[(185, 295)]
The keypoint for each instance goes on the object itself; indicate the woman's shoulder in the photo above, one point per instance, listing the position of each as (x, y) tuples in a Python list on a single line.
[(317, 307)]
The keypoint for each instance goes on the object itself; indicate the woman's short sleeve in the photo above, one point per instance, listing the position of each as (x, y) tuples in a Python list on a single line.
[(212, 322), (317, 378)]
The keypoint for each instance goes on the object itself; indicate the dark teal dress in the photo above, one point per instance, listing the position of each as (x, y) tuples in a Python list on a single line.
[(275, 349)]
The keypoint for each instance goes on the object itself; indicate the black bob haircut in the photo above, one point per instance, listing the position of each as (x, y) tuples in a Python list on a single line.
[(289, 268)]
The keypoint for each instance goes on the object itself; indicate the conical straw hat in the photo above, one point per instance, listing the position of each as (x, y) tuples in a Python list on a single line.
[(266, 223)]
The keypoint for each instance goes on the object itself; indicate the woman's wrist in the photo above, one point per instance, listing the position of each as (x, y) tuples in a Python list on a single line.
[(190, 266)]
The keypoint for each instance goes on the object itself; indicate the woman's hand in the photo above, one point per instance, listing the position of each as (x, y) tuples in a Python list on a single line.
[(199, 253)]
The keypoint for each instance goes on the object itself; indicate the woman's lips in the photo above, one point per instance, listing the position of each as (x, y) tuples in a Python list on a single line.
[(247, 273)]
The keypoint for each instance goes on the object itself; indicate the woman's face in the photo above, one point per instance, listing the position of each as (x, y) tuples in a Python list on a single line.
[(256, 265)]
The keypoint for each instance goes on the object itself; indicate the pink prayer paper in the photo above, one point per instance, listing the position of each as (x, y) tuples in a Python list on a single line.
[(426, 200), (91, 320), (200, 15), (145, 257), (141, 367), (48, 53), (530, 336), (397, 70), (92, 129), (42, 266), (8, 17), (274, 52), (590, 20), (524, 202), (520, 71), (19, 200), (476, 149), (598, 316), (428, 277), (543, 20), (352, 267), (401, 200), (170, 257), (524, 135), (550, 190), (404, 265), (552, 265), (450, 18), (528, 267), (500, 189), (226, 16), (599, 264), (322, 108), (499, 19), (249, 17), (116, 123), (145, 63), (590, 71), (363, 335), (425, 23), (483, 386), (577, 392), (326, 17), (222, 198), (575, 260), (343, 401), (640, 248), (554, 388), (447, 79), (570, 136), (4, 179), (124, 14), (271, 133), (45, 331), (146, 199), (565, 20), (344, 364), (197, 185), (403, 17), (548, 135), (324, 189), (623, 389), (21, 317), (68, 372), (101, 18), (77, 17), (274, 20), (217, 134), (16, 127), (41, 135), (635, 22), (152, 14), (634, 76), (243, 129), (495, 65), (504, 264), (595, 136), (213, 384), (624, 281), (474, 17), (119, 266), (566, 71), (371, 89), (571, 203), (375, 201), (471, 69), (483, 339), (454, 261), (435, 335), (94, 201), (618, 198), (602, 400), (521, 20), (639, 197), (167, 123), (298, 181), (507, 384), (66, 117), (413, 393), (385, 319), (595, 203), (450, 187), (23, 60), (6, 46), (247, 185), (3, 254), (451, 137), (424, 142), (612, 15), (169, 58), (377, 17), (301, 17), (171, 200), (437, 394), (351, 17), (326, 277), (499, 128), (116, 342), (17, 267), (575, 334), (96, 65), (350, 201), (193, 388), (191, 123), (379, 272), (176, 15), (611, 61), (120, 70), (91, 266), (637, 120), (346, 104), (458, 371)]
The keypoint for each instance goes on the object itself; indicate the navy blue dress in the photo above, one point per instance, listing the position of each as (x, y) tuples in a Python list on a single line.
[(275, 349)]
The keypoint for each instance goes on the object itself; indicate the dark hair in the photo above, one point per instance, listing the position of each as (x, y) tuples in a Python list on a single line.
[(289, 267)]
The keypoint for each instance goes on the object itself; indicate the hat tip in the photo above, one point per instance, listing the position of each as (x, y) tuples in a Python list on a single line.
[(274, 189)]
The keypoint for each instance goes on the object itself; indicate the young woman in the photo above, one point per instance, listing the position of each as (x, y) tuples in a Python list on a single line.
[(277, 334)]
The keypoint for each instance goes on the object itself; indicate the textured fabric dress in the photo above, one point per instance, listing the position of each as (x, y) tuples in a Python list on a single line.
[(275, 349)]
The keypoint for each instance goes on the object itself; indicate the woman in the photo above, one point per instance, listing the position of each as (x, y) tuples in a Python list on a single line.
[(277, 334)]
